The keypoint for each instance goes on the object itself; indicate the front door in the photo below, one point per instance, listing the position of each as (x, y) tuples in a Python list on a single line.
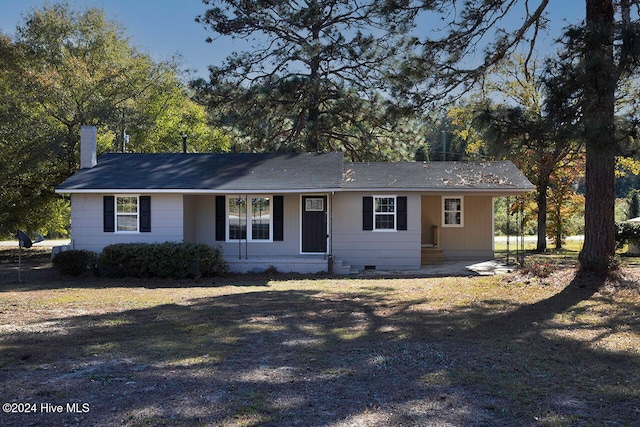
[(314, 224)]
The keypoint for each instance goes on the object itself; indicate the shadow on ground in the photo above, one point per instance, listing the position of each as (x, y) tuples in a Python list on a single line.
[(303, 357), (37, 273)]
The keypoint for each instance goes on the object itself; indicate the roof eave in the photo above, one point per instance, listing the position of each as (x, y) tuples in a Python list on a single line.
[(496, 191), (192, 191)]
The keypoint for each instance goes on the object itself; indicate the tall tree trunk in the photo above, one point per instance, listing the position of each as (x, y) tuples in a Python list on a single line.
[(541, 200), (313, 108), (598, 106), (559, 228)]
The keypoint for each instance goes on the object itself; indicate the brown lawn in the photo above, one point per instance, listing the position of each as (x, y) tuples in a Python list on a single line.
[(286, 350)]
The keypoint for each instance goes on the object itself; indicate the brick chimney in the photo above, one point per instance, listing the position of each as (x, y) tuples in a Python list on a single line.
[(88, 147)]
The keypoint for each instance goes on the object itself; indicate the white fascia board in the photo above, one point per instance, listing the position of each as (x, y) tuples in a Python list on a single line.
[(195, 191), (435, 192), (430, 191)]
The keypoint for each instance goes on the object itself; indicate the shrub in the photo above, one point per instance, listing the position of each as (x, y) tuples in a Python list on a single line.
[(538, 269), (162, 260), (75, 262), (627, 232)]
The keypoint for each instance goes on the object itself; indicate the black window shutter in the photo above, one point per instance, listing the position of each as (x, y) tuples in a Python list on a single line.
[(278, 218), (402, 213), (367, 213), (109, 216), (145, 214), (221, 204)]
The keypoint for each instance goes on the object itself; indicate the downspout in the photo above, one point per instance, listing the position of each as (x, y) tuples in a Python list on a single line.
[(493, 226), (330, 261), (246, 222)]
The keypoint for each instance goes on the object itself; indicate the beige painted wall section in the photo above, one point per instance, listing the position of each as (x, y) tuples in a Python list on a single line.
[(431, 215), (474, 238)]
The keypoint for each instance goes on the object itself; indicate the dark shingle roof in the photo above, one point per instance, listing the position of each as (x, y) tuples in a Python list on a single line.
[(435, 176), (282, 172), (220, 172)]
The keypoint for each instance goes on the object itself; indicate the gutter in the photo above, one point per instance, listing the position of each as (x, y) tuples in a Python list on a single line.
[(191, 191)]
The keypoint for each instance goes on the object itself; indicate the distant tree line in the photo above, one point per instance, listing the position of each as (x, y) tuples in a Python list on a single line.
[(64, 69), (363, 77), (317, 52)]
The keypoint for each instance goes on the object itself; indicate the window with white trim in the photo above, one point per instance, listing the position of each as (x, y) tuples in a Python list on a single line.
[(255, 216), (260, 218), (127, 218), (384, 213), (452, 212)]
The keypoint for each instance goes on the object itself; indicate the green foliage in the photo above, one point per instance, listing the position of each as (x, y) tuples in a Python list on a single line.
[(176, 117), (313, 80), (75, 262), (585, 76), (627, 232), (634, 204), (422, 154), (524, 127), (162, 260), (51, 219), (506, 210), (65, 69)]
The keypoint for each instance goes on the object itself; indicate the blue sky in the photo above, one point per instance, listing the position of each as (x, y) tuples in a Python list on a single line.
[(162, 28)]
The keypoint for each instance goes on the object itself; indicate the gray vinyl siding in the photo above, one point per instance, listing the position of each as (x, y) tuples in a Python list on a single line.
[(202, 210), (204, 219), (189, 204), (386, 250), (87, 222)]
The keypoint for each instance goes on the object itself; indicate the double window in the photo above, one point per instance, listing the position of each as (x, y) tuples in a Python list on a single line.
[(252, 214), (452, 212)]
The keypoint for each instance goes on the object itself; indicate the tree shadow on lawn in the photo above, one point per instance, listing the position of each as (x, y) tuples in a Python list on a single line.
[(320, 358), (38, 274)]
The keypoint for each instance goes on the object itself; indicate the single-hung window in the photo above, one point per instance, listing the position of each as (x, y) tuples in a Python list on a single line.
[(127, 213), (384, 212), (452, 212)]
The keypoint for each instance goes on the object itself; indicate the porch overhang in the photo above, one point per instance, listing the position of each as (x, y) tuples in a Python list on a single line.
[(445, 191)]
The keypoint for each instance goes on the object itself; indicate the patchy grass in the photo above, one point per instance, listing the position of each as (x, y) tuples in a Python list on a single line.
[(570, 245), (552, 349)]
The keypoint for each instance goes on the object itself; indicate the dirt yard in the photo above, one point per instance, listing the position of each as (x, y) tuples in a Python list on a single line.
[(512, 350)]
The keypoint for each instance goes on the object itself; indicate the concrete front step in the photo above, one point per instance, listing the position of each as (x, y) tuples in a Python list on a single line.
[(340, 267)]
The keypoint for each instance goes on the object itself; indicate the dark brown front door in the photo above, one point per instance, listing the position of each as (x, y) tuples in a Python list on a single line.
[(314, 224)]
